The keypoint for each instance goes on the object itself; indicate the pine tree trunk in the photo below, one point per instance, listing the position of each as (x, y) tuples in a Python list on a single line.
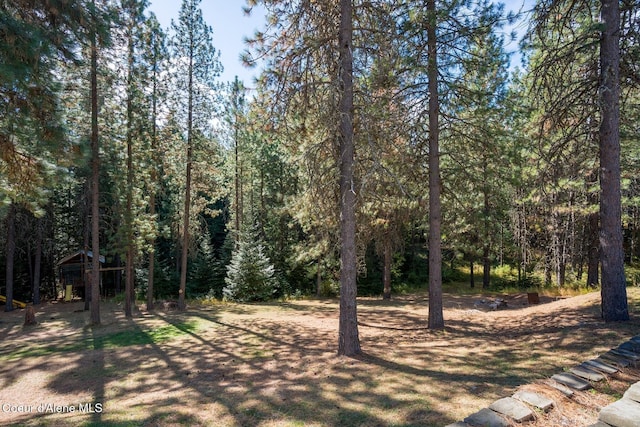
[(386, 275), (187, 196), (319, 278), (37, 267), (486, 267), (154, 175), (548, 261), (348, 339), (614, 292), (472, 279), (238, 207), (436, 318), (593, 240), (129, 279), (86, 267), (95, 180), (486, 211), (10, 256)]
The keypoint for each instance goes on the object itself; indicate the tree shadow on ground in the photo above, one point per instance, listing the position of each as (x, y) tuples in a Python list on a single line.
[(271, 365)]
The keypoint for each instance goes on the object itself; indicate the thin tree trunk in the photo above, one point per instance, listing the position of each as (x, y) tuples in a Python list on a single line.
[(593, 240), (614, 292), (187, 197), (37, 267), (10, 256), (348, 338), (486, 250), (152, 196), (237, 177), (319, 278), (548, 261), (128, 284), (386, 275), (472, 279), (86, 267), (486, 267), (95, 180), (436, 318)]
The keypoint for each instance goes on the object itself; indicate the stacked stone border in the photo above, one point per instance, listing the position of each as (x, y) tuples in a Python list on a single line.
[(520, 407)]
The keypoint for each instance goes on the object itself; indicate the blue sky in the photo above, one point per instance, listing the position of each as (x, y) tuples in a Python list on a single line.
[(230, 27)]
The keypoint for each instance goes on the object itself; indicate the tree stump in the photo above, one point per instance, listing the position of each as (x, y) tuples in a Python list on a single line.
[(30, 316), (533, 297)]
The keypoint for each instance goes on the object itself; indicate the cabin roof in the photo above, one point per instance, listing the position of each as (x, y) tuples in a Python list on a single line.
[(71, 259)]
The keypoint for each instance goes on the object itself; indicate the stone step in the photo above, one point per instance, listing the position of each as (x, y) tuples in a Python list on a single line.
[(572, 381), (633, 392), (512, 408), (586, 373), (622, 413), (534, 399), (601, 366), (626, 354), (487, 418), (620, 362), (632, 346), (562, 389)]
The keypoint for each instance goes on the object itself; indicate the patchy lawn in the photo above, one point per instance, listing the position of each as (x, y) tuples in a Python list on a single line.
[(276, 364)]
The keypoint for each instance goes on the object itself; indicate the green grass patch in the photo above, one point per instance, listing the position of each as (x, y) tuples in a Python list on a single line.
[(118, 339)]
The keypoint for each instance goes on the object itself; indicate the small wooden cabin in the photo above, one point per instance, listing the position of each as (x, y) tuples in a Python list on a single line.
[(75, 270)]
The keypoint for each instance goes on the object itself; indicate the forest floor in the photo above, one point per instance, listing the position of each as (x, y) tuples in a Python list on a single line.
[(276, 364)]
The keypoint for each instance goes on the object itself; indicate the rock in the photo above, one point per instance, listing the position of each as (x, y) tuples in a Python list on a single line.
[(601, 366), (599, 424), (496, 304), (586, 373), (534, 399), (633, 392), (572, 381), (512, 408), (486, 418), (622, 413), (458, 424)]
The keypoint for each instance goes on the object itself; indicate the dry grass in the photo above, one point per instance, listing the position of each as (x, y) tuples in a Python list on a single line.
[(275, 364)]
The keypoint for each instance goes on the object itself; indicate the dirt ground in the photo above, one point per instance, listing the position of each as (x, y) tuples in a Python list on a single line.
[(276, 364)]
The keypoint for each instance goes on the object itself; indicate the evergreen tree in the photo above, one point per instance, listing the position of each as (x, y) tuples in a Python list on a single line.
[(436, 39), (348, 338), (565, 30), (614, 292), (35, 41), (95, 174), (250, 274), (155, 56), (197, 66), (479, 160), (133, 22)]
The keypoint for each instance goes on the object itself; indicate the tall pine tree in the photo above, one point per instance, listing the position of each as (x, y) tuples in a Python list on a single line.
[(197, 65)]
